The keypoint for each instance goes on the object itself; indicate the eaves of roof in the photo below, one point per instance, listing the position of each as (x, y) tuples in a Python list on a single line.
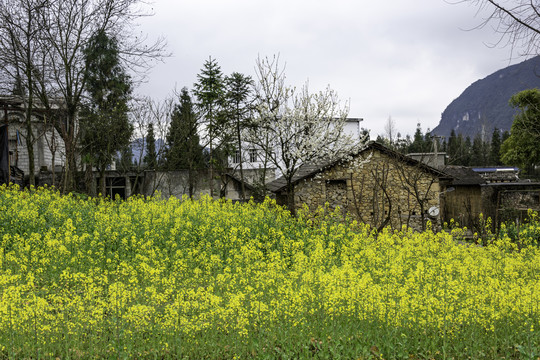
[(308, 170)]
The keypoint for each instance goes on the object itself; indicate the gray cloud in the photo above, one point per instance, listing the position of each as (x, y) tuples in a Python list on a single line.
[(388, 58)]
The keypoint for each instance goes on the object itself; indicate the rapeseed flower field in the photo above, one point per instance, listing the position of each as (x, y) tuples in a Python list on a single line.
[(182, 279)]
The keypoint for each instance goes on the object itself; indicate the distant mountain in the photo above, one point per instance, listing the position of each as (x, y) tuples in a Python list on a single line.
[(484, 104), (138, 148)]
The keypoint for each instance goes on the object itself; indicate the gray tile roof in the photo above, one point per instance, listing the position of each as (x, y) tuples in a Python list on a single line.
[(303, 172), (463, 175), (307, 170)]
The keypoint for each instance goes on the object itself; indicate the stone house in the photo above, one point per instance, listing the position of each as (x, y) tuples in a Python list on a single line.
[(377, 186)]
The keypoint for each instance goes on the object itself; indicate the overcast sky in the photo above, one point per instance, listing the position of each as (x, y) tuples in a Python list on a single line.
[(404, 59)]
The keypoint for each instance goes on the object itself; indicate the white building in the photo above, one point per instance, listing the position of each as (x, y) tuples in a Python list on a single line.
[(252, 158), (47, 143)]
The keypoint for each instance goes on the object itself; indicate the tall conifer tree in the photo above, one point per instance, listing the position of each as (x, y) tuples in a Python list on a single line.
[(210, 93), (466, 152), (453, 148), (184, 150), (479, 153), (150, 158), (105, 126), (494, 155), (238, 110), (418, 145)]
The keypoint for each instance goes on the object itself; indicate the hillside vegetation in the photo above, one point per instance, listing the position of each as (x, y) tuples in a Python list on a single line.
[(483, 106), (182, 279)]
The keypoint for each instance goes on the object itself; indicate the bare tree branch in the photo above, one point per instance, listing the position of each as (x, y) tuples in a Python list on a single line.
[(517, 22)]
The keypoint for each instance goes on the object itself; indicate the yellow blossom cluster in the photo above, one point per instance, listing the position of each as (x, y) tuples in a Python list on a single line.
[(176, 278)]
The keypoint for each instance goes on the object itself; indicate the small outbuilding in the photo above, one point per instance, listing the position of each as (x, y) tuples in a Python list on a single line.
[(463, 203), (481, 193)]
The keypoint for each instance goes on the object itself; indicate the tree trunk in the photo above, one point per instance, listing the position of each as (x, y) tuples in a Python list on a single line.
[(422, 216), (290, 197), (29, 133), (68, 135), (190, 183), (265, 166), (89, 180), (53, 155), (239, 138), (69, 168), (53, 167), (102, 189), (211, 163), (30, 144)]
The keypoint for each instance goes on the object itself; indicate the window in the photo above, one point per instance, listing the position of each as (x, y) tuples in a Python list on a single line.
[(253, 156), (236, 158), (337, 183), (115, 186), (237, 186)]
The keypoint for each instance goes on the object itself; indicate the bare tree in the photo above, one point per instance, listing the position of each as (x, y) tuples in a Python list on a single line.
[(68, 26), (146, 111), (20, 40), (295, 127), (417, 183), (378, 196), (390, 131), (517, 22), (52, 144)]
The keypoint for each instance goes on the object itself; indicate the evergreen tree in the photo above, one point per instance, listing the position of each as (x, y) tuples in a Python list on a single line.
[(521, 148), (150, 158), (495, 149), (104, 121), (444, 145), (418, 145), (466, 152), (184, 150), (125, 160), (460, 151), (453, 148), (479, 154), (505, 135), (238, 110), (428, 142), (486, 150), (210, 93), (403, 144)]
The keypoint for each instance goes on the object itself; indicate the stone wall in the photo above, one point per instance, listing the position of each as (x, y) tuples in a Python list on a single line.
[(176, 183), (374, 188)]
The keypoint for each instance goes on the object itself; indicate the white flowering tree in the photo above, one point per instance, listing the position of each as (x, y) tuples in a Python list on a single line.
[(294, 127)]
